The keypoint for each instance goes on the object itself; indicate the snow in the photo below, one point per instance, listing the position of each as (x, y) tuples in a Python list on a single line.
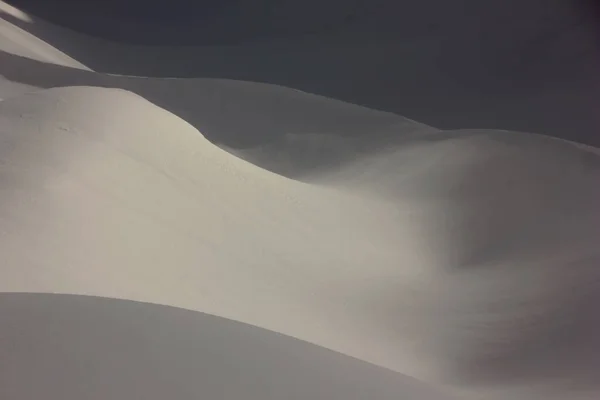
[(304, 247)]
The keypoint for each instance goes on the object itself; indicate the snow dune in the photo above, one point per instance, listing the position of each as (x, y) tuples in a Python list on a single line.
[(122, 199), (289, 225), (234, 114)]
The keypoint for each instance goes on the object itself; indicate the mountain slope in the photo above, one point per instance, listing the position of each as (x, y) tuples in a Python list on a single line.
[(481, 256)]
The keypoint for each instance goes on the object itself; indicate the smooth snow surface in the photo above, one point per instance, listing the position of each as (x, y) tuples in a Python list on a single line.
[(210, 238)]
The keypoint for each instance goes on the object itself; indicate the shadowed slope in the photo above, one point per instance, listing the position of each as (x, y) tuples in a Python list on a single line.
[(59, 347), (469, 72), (25, 42), (230, 113), (227, 22)]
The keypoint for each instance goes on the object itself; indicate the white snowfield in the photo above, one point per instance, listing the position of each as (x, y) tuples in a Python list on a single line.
[(278, 226)]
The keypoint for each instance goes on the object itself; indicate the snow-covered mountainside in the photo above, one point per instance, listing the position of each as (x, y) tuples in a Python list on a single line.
[(199, 237)]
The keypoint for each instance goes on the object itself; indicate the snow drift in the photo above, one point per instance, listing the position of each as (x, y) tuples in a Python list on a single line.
[(466, 258)]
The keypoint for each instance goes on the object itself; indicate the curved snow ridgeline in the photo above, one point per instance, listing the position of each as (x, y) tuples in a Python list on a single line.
[(213, 238), (452, 66)]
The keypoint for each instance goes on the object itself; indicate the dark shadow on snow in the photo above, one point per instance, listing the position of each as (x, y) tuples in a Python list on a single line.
[(523, 65)]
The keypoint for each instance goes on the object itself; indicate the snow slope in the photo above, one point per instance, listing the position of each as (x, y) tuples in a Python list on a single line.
[(18, 41), (115, 349), (121, 199), (234, 114), (466, 259)]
